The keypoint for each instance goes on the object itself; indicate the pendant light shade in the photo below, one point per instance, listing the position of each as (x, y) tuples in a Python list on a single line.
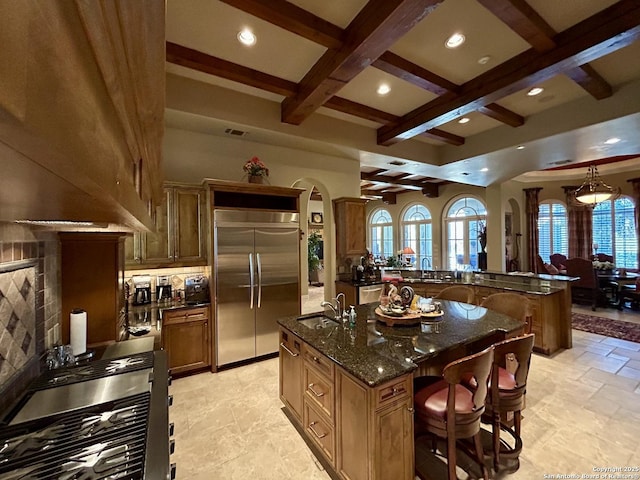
[(593, 190)]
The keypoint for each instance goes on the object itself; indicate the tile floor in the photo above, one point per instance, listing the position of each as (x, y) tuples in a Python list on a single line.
[(583, 412)]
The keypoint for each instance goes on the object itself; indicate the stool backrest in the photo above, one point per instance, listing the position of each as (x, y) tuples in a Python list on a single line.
[(514, 355), (512, 304), (476, 366), (457, 293)]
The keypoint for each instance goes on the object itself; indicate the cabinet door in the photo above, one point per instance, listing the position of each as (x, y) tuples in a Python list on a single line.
[(187, 345), (394, 457), (132, 252), (187, 224), (157, 247), (350, 226), (291, 388)]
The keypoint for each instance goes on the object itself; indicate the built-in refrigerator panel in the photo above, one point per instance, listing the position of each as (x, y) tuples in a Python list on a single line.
[(234, 310), (256, 265), (278, 291)]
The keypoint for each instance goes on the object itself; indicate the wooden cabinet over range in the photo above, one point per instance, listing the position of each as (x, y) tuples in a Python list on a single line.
[(180, 234)]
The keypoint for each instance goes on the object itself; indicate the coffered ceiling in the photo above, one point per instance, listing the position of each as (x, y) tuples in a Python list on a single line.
[(315, 68)]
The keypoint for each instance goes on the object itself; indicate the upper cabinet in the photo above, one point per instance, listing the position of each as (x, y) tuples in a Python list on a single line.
[(351, 238), (179, 239), (82, 108)]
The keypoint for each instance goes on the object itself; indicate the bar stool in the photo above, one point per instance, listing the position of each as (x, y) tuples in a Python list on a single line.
[(512, 304), (511, 360), (447, 409), (457, 293)]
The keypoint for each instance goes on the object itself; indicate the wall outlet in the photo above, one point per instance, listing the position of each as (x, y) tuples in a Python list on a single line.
[(56, 333)]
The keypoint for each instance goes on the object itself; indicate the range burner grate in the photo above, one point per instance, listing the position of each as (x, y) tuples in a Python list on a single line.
[(105, 441), (93, 370)]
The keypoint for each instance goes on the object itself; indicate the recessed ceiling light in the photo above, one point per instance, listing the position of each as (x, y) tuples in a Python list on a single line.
[(535, 91), (383, 89), (612, 140), (455, 40), (246, 37), (484, 60), (485, 169), (463, 120), (520, 147)]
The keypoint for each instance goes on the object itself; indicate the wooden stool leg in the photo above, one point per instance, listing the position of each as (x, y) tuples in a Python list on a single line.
[(517, 418), (480, 455), (496, 440), (451, 457)]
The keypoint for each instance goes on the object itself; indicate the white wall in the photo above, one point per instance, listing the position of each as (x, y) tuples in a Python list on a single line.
[(192, 156)]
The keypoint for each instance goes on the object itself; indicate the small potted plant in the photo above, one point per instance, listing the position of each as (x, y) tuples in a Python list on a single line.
[(256, 170)]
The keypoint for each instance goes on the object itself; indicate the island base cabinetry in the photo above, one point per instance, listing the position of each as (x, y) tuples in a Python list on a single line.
[(360, 432)]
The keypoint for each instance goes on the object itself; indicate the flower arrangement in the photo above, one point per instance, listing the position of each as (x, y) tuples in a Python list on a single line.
[(255, 167), (603, 265)]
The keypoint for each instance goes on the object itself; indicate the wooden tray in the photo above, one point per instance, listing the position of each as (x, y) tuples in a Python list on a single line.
[(406, 319)]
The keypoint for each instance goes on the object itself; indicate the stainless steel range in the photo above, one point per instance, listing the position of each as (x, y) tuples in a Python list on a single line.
[(107, 419)]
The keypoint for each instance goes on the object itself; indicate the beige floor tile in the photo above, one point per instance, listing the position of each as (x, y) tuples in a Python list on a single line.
[(583, 410)]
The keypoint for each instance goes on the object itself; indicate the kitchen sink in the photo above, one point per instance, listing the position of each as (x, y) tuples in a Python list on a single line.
[(318, 322)]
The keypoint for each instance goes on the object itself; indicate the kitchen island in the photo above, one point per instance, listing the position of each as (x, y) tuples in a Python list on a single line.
[(549, 296), (349, 391)]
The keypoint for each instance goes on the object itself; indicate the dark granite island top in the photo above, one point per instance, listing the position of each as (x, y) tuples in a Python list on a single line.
[(375, 353)]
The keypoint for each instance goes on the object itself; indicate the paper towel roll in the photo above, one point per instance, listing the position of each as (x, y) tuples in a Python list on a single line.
[(78, 323)]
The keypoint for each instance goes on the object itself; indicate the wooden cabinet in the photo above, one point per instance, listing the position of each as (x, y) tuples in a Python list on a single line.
[(374, 429), (92, 278), (180, 232), (351, 235), (185, 338), (290, 385), (363, 433)]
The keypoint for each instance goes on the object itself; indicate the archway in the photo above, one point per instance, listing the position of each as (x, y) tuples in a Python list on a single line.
[(328, 234)]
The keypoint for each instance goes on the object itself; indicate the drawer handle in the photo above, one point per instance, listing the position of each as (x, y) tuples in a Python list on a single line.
[(317, 394), (319, 435), (411, 409), (316, 359), (287, 349)]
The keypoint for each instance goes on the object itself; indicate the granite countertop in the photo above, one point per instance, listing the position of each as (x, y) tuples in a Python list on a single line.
[(376, 353)]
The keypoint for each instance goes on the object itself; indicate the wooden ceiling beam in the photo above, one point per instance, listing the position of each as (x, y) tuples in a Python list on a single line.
[(307, 25), (603, 33), (526, 22), (205, 63), (502, 114), (294, 19), (417, 184), (376, 27)]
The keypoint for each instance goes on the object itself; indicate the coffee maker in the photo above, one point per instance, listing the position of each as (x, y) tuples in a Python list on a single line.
[(163, 288), (141, 289)]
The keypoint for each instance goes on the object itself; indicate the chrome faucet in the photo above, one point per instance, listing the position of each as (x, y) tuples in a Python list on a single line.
[(333, 309), (341, 306)]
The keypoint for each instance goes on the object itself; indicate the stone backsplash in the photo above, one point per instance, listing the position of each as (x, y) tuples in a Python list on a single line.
[(29, 306)]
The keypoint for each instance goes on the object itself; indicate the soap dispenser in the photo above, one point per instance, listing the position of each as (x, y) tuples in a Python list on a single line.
[(352, 316)]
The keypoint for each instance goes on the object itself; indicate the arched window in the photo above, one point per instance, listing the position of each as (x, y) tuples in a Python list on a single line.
[(417, 234), (553, 230), (614, 231), (462, 225), (381, 230)]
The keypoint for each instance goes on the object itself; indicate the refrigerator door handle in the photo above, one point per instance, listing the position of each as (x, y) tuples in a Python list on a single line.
[(259, 279), (251, 280)]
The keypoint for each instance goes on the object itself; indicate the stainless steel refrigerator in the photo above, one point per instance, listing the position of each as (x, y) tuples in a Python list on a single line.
[(257, 277)]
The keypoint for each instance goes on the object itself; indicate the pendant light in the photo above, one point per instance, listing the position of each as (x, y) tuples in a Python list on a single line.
[(593, 190)]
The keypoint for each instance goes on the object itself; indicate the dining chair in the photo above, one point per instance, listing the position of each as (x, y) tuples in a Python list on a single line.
[(512, 304), (511, 361), (586, 288), (448, 409), (457, 293), (558, 260), (603, 257)]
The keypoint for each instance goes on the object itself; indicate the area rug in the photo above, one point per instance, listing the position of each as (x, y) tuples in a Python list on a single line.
[(606, 326)]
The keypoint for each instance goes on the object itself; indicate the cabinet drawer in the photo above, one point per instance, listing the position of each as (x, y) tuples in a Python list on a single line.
[(185, 315), (319, 431), (318, 361), (391, 391), (320, 392)]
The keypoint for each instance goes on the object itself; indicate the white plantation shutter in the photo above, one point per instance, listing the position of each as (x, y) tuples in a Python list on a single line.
[(553, 231)]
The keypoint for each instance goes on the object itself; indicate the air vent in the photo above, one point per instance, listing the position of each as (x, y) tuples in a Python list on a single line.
[(397, 163), (235, 133)]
